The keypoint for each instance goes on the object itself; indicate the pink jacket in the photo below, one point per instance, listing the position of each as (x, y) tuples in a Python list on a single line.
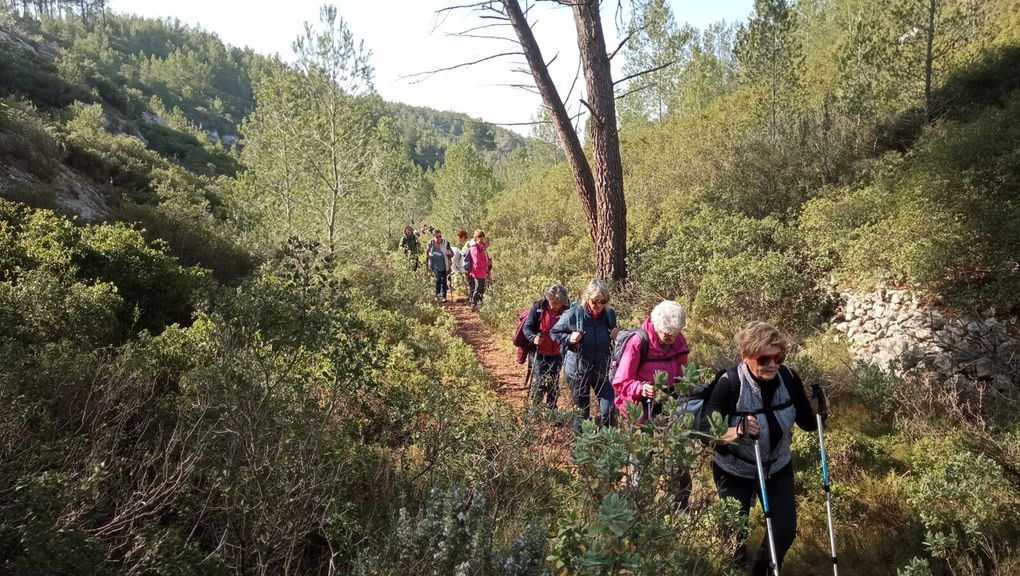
[(631, 374), (480, 261)]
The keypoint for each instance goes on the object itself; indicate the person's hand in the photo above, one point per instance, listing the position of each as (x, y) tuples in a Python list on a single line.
[(813, 397), (538, 339), (613, 333), (575, 337), (747, 427), (648, 391)]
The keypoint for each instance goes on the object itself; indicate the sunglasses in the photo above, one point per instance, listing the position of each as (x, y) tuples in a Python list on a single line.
[(765, 359), (600, 302)]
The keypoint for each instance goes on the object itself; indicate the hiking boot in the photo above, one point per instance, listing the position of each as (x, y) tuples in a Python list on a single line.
[(444, 298), (437, 298), (474, 306)]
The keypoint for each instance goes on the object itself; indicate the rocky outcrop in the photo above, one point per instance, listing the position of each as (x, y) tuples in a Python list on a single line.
[(896, 331)]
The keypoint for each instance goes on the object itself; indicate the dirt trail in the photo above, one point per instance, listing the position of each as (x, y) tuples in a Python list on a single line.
[(508, 374)]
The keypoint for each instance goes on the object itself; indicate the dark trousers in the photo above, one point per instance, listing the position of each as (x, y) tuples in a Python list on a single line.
[(547, 379), (478, 292), (470, 286), (441, 284), (782, 509), (581, 387)]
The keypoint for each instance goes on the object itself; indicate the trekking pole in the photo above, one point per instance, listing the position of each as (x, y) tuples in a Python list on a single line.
[(823, 413), (773, 565)]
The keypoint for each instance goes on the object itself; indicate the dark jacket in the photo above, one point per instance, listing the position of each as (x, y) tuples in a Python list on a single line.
[(594, 351), (542, 315), (775, 417), (410, 244)]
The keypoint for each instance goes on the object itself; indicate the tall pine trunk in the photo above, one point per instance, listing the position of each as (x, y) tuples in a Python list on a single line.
[(601, 189)]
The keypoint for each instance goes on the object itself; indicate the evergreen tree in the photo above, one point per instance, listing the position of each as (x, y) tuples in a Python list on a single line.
[(464, 185), (311, 133), (770, 59), (653, 57)]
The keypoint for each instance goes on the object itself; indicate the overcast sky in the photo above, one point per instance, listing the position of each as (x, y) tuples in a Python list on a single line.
[(405, 38)]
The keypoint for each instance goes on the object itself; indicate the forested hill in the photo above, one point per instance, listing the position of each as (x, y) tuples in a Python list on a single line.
[(180, 87)]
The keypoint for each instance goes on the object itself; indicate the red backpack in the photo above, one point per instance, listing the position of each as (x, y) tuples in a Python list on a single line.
[(524, 346)]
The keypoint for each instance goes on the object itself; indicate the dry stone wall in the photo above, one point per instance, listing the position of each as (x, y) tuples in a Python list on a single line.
[(894, 330)]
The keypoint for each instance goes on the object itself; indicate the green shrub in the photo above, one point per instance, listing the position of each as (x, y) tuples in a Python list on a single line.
[(960, 500), (187, 151), (26, 141)]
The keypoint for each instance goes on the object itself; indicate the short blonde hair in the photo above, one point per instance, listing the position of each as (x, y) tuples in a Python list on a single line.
[(757, 337), (479, 234), (595, 288)]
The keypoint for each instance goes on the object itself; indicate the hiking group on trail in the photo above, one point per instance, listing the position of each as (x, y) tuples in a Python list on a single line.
[(446, 262), (758, 400)]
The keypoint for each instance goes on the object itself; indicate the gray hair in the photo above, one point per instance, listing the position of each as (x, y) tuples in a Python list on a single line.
[(595, 288), (669, 317), (557, 292)]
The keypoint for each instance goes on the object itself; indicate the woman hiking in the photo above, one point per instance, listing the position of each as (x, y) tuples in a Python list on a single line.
[(546, 359), (481, 266), (438, 255), (587, 331), (761, 399)]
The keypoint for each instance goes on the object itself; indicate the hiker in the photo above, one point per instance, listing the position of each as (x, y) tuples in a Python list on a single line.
[(462, 237), (481, 266), (456, 267), (634, 379), (409, 244), (438, 254), (586, 331), (761, 399), (546, 359)]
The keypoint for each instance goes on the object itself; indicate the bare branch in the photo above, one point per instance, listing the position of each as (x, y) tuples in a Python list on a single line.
[(474, 29), (484, 37), (638, 89), (421, 76), (627, 39), (643, 72)]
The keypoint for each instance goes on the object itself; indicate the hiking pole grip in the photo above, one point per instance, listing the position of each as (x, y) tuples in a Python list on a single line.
[(742, 428)]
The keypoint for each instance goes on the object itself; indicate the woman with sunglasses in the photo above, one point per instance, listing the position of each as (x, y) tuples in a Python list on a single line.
[(586, 333), (761, 399)]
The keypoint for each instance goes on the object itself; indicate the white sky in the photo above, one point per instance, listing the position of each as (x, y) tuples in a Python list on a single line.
[(402, 39)]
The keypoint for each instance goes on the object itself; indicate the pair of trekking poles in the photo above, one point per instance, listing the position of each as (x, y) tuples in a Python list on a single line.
[(820, 416)]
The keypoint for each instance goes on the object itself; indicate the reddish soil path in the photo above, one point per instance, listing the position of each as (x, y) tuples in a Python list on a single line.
[(508, 374)]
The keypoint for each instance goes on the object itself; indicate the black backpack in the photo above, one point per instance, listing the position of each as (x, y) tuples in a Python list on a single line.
[(698, 399)]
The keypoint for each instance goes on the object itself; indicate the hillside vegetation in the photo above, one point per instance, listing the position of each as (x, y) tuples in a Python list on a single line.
[(213, 360)]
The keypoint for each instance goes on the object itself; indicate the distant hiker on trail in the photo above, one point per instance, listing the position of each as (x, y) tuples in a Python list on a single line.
[(462, 236), (761, 399), (438, 254), (456, 267), (587, 331), (480, 267), (546, 359), (659, 345), (409, 244)]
